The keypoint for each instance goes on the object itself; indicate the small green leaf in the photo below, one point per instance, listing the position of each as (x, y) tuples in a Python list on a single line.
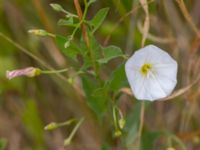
[(86, 53), (97, 97), (132, 124), (110, 52), (91, 1), (98, 19), (148, 140), (71, 51), (118, 78), (95, 46), (69, 22)]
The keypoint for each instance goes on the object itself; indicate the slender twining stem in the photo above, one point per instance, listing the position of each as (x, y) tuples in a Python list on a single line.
[(54, 71), (82, 17), (142, 110), (54, 125), (24, 50), (30, 54), (68, 122), (187, 16), (115, 118), (68, 140), (145, 33)]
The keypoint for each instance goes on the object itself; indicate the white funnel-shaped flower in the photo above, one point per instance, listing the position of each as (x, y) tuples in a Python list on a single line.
[(151, 73)]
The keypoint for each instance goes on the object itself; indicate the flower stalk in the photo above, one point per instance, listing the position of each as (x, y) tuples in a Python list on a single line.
[(68, 140)]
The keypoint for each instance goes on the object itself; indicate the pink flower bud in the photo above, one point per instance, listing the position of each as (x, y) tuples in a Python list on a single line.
[(29, 72)]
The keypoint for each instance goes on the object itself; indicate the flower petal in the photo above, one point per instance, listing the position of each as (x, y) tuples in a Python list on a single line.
[(161, 78)]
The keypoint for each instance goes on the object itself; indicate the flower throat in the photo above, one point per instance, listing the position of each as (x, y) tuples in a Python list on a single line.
[(145, 69)]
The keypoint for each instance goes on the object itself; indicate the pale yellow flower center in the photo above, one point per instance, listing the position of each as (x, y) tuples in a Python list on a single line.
[(145, 69)]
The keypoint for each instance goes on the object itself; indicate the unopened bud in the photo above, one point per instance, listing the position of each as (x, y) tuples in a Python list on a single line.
[(38, 32), (117, 133), (70, 80), (122, 123), (56, 7), (29, 72), (51, 126)]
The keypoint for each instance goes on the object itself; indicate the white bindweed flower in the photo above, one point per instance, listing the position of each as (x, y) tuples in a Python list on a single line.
[(151, 73)]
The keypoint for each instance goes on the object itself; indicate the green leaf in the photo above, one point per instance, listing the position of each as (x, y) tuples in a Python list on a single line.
[(71, 51), (110, 53), (95, 49), (132, 124), (68, 22), (98, 19), (95, 46), (97, 98), (118, 78), (148, 140), (91, 1)]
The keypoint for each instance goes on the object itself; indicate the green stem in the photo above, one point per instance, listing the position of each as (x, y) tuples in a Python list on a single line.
[(68, 140), (142, 109), (36, 58), (115, 118), (68, 122), (24, 50), (179, 142), (89, 47), (54, 71)]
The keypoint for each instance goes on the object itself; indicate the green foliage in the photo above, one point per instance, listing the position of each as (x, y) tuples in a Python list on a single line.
[(97, 97), (91, 1), (132, 125), (148, 140), (118, 78), (98, 19), (71, 51), (67, 22), (110, 53)]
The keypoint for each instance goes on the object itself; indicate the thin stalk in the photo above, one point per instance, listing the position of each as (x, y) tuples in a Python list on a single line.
[(54, 71), (142, 110), (69, 139), (24, 50), (68, 122), (82, 17), (38, 60)]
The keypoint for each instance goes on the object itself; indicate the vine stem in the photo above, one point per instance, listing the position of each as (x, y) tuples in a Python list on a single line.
[(24, 50), (82, 16), (144, 4), (54, 71), (39, 60), (142, 111)]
